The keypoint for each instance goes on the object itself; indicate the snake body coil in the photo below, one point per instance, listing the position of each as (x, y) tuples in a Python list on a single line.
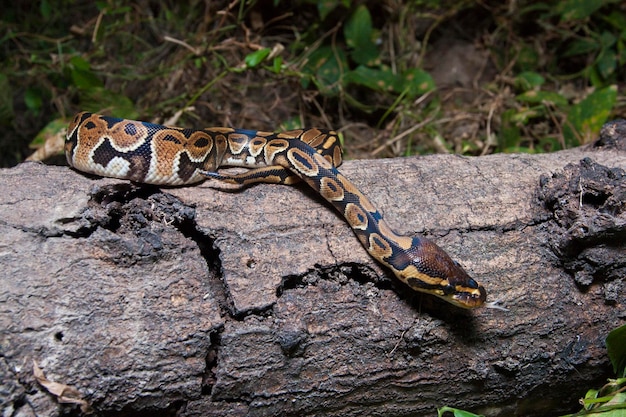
[(155, 154)]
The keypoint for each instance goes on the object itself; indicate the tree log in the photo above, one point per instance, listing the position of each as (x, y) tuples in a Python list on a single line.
[(196, 302)]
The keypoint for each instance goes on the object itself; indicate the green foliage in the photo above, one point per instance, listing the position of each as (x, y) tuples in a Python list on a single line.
[(585, 119), (360, 37), (608, 401), (254, 59), (334, 70), (582, 123), (616, 348), (339, 69), (570, 10), (441, 412), (584, 33), (33, 98), (557, 64), (81, 74)]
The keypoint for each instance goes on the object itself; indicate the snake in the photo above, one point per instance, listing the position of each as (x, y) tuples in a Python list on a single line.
[(150, 153)]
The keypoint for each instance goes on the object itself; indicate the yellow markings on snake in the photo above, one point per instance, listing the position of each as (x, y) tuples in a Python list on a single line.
[(167, 146), (222, 130), (303, 162), (405, 242), (313, 137), (379, 246), (349, 187), (198, 146), (330, 189), (411, 272), (128, 135), (274, 147), (256, 145), (237, 142), (355, 216), (290, 134), (323, 162), (220, 143)]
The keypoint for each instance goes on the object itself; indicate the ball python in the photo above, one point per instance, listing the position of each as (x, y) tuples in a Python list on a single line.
[(162, 155)]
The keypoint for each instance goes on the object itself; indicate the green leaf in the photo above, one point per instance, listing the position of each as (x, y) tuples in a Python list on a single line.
[(527, 57), (82, 76), (97, 98), (581, 46), (45, 9), (79, 63), (358, 28), (54, 127), (325, 7), (291, 124), (577, 9), (413, 82), (591, 394), (456, 412), (528, 80), (607, 61), (255, 58), (536, 97), (375, 79), (617, 20), (85, 79), (616, 347), (416, 82), (587, 117), (366, 55), (607, 64), (358, 33), (326, 67), (526, 114), (33, 99), (277, 65), (607, 39)]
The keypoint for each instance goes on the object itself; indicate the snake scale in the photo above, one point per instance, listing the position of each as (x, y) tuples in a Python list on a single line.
[(162, 155)]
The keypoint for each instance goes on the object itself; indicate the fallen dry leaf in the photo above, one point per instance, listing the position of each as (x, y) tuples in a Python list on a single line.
[(49, 141), (64, 393)]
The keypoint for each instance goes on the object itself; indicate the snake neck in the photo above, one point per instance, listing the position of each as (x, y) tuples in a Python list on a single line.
[(415, 260)]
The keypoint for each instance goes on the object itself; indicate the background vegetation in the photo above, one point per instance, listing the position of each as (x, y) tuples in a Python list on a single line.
[(397, 77)]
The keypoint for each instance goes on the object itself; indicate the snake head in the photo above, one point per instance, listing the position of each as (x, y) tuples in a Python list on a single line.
[(430, 269)]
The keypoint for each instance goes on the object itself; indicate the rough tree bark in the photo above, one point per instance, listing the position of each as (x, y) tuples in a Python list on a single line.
[(195, 302)]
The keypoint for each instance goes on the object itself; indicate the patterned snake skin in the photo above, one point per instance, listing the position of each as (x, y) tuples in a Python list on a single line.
[(162, 155)]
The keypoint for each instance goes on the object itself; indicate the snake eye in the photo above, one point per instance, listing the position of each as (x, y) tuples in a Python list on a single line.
[(471, 283), (449, 289)]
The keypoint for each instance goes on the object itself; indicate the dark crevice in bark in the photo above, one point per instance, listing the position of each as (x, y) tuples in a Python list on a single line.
[(240, 316), (209, 378), (337, 273), (130, 411)]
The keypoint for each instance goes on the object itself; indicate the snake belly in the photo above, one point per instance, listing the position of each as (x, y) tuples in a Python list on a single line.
[(155, 154)]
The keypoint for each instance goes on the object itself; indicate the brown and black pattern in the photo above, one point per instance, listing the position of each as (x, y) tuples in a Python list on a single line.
[(156, 154)]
